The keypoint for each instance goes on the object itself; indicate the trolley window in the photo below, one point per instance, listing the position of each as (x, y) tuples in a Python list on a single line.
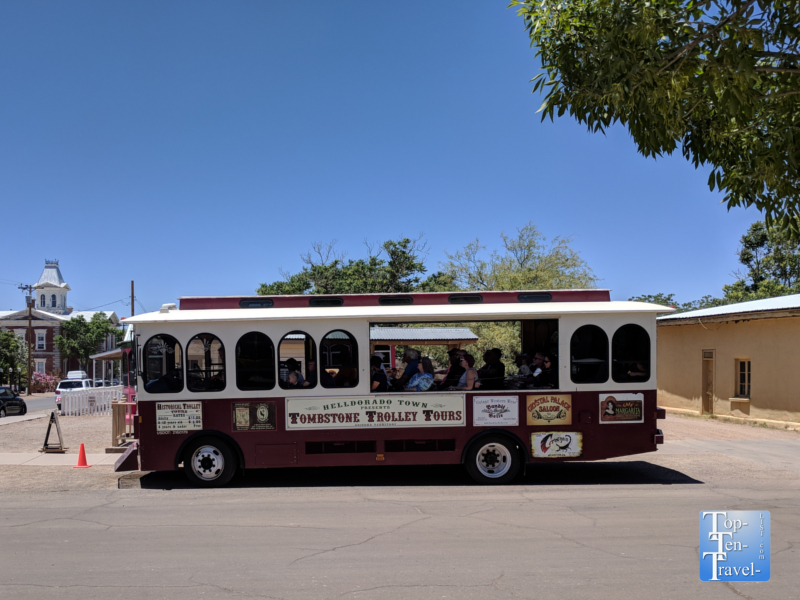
[(162, 370), (205, 364), (630, 354), (588, 350), (255, 362), (297, 356), (339, 356)]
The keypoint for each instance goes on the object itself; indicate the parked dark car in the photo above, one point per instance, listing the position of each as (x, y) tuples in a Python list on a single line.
[(10, 403)]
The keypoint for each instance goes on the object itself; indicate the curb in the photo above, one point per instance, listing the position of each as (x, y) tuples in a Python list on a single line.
[(21, 418), (781, 425)]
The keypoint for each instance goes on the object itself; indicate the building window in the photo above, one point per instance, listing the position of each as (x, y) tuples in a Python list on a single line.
[(41, 366), (205, 364), (588, 350), (40, 341), (53, 301), (255, 362), (338, 354), (743, 379), (163, 367), (297, 361), (630, 354), (43, 302)]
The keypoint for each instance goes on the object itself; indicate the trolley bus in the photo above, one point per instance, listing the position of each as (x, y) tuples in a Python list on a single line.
[(214, 395)]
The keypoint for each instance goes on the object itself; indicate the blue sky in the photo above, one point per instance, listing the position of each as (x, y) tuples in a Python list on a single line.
[(198, 148)]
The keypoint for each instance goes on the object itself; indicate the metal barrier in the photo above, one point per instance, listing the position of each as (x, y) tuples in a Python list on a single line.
[(90, 401)]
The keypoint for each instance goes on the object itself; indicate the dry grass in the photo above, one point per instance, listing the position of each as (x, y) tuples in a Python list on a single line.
[(28, 436)]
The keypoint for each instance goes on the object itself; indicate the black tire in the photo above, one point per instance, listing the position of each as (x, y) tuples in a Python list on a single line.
[(2, 412), (209, 462), (493, 460), (24, 410)]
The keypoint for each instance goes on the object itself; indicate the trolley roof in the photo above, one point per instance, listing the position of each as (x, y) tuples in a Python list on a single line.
[(415, 313)]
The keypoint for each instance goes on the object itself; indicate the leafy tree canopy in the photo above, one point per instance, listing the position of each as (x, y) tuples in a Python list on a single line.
[(80, 338), (9, 350), (527, 262), (396, 266), (718, 78)]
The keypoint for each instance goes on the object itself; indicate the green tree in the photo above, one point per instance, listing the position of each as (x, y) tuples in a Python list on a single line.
[(718, 78), (9, 351), (669, 300), (772, 265), (395, 266), (527, 262), (81, 338)]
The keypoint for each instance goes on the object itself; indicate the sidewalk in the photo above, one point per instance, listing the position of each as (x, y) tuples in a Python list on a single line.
[(28, 417), (40, 459)]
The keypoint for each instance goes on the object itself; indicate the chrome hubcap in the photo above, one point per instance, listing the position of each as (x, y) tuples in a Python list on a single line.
[(493, 460), (207, 462)]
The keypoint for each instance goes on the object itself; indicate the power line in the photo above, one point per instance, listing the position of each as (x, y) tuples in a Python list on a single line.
[(140, 305), (108, 303)]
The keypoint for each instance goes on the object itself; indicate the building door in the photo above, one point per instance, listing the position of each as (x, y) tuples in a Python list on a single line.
[(708, 382)]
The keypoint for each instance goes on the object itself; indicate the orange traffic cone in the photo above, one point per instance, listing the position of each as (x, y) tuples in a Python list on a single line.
[(81, 460)]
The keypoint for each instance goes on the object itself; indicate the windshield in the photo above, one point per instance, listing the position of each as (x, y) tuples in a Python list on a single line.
[(70, 385)]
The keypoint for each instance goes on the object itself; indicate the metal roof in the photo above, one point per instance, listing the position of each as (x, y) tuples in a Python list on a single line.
[(410, 334), (460, 312), (51, 276), (754, 306)]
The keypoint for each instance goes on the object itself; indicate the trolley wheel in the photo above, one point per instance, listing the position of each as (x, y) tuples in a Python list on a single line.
[(494, 459), (209, 462)]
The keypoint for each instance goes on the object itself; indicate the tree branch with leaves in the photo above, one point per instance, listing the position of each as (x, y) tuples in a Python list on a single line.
[(717, 79)]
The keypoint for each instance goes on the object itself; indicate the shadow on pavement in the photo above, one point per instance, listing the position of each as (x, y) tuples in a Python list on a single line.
[(578, 473)]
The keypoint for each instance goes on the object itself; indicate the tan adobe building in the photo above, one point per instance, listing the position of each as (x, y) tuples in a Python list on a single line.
[(739, 360)]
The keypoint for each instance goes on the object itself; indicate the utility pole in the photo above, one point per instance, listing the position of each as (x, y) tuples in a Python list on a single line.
[(29, 301), (132, 298)]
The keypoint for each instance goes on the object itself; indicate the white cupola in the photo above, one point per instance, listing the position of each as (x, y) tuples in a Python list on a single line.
[(51, 290)]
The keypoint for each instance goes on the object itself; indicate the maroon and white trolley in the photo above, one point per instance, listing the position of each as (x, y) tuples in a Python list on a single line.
[(213, 394)]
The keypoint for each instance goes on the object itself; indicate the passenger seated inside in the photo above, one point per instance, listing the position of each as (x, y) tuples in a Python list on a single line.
[(493, 374), (311, 374), (328, 380), (293, 381), (548, 378), (523, 368), (454, 372), (423, 379), (294, 367), (639, 372), (378, 380), (470, 376), (411, 358), (346, 377)]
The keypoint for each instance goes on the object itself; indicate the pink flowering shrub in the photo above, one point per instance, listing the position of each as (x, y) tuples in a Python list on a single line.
[(42, 382)]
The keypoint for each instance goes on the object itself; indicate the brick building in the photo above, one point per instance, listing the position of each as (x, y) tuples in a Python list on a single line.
[(49, 313)]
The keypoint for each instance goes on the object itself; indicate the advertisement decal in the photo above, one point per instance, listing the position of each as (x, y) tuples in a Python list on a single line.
[(353, 412), (178, 417), (495, 410), (621, 408), (556, 444), (253, 416), (549, 409)]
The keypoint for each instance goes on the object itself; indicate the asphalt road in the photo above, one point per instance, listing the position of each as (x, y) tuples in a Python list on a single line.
[(36, 404), (616, 529)]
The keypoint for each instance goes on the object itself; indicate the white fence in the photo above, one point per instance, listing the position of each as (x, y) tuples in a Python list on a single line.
[(90, 401)]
